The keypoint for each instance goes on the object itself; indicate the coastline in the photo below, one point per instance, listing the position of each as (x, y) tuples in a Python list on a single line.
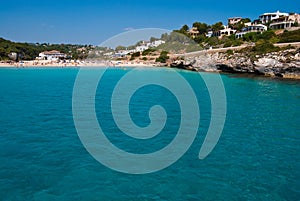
[(32, 64), (136, 65), (282, 64)]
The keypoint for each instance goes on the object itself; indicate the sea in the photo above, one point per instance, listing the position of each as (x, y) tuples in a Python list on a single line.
[(44, 157)]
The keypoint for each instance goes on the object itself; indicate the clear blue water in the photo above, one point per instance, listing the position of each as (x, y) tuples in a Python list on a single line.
[(42, 158)]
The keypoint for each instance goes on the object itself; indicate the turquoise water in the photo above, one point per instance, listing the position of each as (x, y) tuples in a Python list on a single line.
[(42, 157)]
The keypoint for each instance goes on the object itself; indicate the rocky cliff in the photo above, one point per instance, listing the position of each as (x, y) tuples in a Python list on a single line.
[(284, 63)]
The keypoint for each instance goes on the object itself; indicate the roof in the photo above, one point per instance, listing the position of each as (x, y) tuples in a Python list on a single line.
[(277, 13), (52, 52), (193, 30), (231, 18)]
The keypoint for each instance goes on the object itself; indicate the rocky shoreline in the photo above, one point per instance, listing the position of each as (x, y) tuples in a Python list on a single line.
[(284, 63)]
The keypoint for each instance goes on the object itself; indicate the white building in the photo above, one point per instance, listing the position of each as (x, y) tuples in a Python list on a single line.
[(249, 24), (108, 54), (252, 28), (13, 56), (268, 17), (141, 48), (123, 53), (147, 45), (51, 55), (209, 34), (227, 31), (157, 43)]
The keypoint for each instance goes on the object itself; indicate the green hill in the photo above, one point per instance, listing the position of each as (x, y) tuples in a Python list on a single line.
[(29, 51)]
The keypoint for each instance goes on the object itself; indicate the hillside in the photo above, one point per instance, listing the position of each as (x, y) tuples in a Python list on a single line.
[(29, 51)]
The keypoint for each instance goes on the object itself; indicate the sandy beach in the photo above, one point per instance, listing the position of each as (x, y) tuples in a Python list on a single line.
[(36, 63), (39, 64)]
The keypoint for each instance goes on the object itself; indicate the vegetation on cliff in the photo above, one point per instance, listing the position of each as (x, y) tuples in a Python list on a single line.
[(163, 57), (290, 36)]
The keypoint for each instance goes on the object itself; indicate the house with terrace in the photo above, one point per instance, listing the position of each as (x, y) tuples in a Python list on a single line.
[(269, 17), (252, 28), (286, 22), (234, 20), (193, 32), (52, 55), (227, 31)]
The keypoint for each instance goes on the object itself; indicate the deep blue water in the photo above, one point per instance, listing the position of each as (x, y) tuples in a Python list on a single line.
[(42, 157)]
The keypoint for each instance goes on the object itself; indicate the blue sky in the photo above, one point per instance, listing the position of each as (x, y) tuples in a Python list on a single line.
[(94, 21)]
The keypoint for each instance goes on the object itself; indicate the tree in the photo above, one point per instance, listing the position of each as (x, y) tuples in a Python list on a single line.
[(240, 25), (183, 30), (202, 27), (251, 37), (148, 51), (28, 51), (217, 26), (163, 57), (200, 38), (245, 20), (134, 55), (152, 39), (131, 47), (120, 48)]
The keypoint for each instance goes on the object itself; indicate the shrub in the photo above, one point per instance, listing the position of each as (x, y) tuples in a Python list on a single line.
[(163, 57), (290, 36), (263, 46), (266, 35), (134, 55), (229, 52), (147, 52), (212, 41)]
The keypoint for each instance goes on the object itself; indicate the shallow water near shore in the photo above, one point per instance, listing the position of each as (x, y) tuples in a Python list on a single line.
[(42, 157)]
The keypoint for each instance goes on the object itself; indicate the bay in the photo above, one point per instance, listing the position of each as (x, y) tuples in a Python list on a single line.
[(42, 157)]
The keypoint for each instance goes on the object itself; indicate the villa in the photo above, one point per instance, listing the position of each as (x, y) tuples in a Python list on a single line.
[(234, 20), (157, 43), (194, 32), (141, 48), (276, 20), (53, 55), (285, 22), (252, 28), (122, 53), (227, 31), (146, 45), (269, 17)]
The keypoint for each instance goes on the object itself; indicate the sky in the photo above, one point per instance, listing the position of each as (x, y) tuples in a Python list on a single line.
[(94, 21)]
